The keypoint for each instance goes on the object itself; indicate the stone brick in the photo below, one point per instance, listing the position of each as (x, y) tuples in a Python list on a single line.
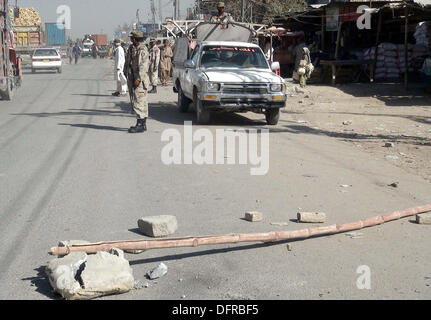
[(423, 218), (158, 226), (253, 216), (312, 217)]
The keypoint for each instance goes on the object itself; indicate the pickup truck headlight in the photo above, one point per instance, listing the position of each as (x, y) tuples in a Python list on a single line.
[(212, 86), (276, 87)]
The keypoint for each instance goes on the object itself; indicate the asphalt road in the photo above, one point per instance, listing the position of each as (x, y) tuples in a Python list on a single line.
[(70, 170)]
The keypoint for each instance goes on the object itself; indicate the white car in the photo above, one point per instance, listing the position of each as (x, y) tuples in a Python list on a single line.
[(46, 59)]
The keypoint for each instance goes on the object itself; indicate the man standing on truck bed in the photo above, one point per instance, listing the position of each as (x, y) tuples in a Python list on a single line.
[(139, 65), (222, 17)]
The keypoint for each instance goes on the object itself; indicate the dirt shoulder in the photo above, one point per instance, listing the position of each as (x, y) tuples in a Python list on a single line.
[(370, 116)]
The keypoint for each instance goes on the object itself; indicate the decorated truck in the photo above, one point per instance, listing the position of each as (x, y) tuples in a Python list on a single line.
[(10, 63)]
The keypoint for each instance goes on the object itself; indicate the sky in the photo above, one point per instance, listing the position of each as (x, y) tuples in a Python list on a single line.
[(101, 16)]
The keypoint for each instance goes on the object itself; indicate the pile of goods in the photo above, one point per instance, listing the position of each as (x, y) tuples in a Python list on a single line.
[(28, 17), (391, 60), (423, 33)]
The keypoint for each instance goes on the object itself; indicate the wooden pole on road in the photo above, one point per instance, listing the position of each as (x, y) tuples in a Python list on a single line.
[(237, 238)]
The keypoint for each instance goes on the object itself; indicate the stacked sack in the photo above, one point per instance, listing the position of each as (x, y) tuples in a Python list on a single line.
[(28, 17), (423, 33), (401, 58), (387, 65)]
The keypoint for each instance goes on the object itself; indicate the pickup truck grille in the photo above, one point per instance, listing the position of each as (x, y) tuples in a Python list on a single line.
[(245, 89)]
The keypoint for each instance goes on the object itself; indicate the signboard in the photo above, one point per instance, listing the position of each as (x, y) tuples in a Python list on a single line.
[(148, 27), (332, 14)]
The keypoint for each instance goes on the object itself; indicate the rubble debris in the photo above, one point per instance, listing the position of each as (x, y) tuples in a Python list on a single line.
[(391, 157), (311, 217), (355, 235), (281, 224), (158, 272), (79, 276), (394, 185), (289, 247), (389, 145), (346, 185), (158, 226), (253, 216), (424, 218), (347, 122), (62, 273), (134, 251)]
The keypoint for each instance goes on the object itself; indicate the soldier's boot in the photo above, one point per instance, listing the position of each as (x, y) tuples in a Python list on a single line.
[(141, 126), (154, 90)]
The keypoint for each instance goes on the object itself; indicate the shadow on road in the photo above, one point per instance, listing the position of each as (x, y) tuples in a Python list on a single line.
[(93, 126), (41, 282), (302, 129), (210, 252), (392, 94)]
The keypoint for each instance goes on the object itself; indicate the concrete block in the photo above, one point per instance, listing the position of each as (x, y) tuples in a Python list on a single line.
[(253, 216), (423, 218), (62, 273), (78, 276), (311, 217), (158, 226)]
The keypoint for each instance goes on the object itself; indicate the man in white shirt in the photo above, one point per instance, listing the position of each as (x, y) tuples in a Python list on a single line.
[(120, 59)]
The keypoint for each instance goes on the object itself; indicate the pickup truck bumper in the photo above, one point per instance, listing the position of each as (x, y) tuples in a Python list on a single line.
[(222, 101)]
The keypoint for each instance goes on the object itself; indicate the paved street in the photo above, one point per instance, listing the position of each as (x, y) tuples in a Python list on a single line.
[(70, 170)]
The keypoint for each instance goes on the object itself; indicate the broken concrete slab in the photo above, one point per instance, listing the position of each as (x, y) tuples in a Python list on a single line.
[(253, 216), (423, 218), (158, 272), (311, 217), (158, 226), (79, 276), (63, 273), (105, 274)]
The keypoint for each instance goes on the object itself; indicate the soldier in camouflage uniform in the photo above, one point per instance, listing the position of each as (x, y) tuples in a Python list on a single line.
[(131, 51), (222, 17), (139, 64)]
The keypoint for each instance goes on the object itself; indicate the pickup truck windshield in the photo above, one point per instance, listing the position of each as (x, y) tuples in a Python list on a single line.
[(232, 57)]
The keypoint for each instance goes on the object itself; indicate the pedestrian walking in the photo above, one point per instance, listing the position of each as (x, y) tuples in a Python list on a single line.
[(76, 52), (154, 65), (166, 63), (119, 61), (140, 63)]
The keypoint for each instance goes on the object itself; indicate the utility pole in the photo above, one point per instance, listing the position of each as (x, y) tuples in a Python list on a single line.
[(160, 12), (153, 11), (178, 8), (175, 10), (242, 10)]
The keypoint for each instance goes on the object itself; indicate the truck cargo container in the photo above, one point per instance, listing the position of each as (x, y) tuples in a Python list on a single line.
[(26, 24), (10, 63), (55, 35), (100, 39)]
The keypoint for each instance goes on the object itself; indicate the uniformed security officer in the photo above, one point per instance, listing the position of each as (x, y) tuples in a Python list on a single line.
[(222, 17), (139, 63), (131, 51)]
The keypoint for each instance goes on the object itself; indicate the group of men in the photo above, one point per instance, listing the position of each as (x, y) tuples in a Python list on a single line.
[(137, 70)]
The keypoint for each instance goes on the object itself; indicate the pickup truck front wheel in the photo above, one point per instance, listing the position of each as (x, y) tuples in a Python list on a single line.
[(183, 101), (203, 116), (272, 116)]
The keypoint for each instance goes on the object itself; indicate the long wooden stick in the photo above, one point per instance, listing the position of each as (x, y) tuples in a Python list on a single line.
[(236, 238)]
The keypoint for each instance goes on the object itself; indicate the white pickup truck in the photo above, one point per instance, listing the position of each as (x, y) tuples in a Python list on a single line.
[(228, 76)]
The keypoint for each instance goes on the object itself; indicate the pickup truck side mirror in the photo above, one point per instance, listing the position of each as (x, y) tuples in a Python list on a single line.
[(189, 64), (275, 66)]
